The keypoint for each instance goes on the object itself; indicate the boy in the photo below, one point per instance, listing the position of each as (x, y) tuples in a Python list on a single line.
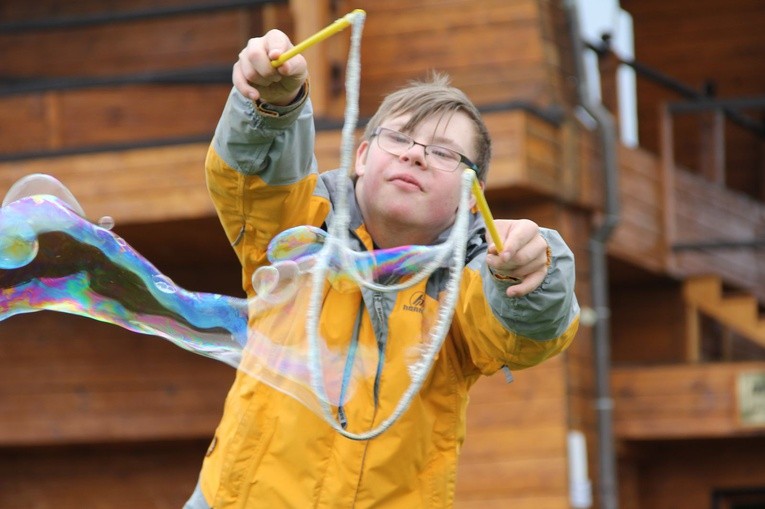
[(515, 308)]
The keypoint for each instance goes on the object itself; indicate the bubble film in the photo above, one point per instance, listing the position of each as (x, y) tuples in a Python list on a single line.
[(52, 258)]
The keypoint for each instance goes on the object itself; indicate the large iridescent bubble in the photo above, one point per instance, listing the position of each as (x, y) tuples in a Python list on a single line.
[(53, 258)]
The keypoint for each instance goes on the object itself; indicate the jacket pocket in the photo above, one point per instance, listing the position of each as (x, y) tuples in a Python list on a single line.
[(264, 437)]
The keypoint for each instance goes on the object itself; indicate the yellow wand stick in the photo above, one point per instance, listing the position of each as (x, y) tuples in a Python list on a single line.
[(330, 30), (483, 208), (339, 25)]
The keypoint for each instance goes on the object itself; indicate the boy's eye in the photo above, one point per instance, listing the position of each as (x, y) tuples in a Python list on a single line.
[(399, 138), (441, 152)]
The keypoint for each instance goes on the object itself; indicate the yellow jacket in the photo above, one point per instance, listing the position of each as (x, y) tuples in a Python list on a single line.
[(269, 450)]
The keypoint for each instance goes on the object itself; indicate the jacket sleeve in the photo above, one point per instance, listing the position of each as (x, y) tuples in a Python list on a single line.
[(499, 331), (261, 173)]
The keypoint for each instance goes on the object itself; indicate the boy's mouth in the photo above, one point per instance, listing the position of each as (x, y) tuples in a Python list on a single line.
[(407, 180)]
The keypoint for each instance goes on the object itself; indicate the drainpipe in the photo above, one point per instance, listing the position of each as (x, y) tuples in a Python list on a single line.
[(607, 485)]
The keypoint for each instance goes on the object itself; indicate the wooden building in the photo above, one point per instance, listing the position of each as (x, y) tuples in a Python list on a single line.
[(119, 99)]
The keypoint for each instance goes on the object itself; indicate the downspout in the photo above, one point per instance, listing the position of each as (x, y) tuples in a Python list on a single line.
[(607, 485)]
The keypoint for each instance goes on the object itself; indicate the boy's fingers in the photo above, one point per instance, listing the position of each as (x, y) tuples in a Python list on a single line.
[(243, 84), (527, 285)]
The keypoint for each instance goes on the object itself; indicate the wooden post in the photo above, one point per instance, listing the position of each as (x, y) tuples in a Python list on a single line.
[(712, 146), (692, 334), (311, 16), (608, 64), (762, 164), (726, 347), (667, 153)]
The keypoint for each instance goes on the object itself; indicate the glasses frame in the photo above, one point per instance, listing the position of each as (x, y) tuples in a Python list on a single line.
[(412, 142)]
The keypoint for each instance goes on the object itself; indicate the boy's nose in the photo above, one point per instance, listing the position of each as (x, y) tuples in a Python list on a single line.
[(416, 154)]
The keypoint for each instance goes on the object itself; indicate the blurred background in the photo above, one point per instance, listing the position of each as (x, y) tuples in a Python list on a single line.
[(635, 128)]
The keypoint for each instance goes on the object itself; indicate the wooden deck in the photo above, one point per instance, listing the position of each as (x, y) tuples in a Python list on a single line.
[(681, 401), (664, 207)]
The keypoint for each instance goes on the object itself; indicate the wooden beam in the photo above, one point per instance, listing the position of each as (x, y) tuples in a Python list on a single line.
[(311, 16), (667, 154), (712, 146), (66, 379), (680, 401), (692, 334)]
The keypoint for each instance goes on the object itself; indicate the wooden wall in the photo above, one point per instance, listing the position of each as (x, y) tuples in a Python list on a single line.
[(514, 453), (648, 324), (65, 118), (732, 218), (516, 449), (555, 396), (670, 475), (697, 41), (467, 39), (92, 415), (157, 475), (681, 401), (662, 207), (639, 237)]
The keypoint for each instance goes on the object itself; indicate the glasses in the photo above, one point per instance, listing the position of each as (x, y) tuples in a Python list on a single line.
[(440, 158)]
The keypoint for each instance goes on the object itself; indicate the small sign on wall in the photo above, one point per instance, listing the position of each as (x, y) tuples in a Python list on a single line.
[(751, 398)]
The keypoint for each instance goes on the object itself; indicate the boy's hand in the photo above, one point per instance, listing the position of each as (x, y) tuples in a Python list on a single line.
[(524, 255), (256, 78)]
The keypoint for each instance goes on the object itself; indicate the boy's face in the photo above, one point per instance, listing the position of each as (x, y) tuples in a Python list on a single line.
[(405, 192)]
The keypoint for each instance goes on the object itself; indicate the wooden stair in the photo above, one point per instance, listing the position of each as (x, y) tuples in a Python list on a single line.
[(738, 313)]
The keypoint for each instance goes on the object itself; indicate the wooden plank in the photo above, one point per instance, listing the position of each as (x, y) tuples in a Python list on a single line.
[(315, 15), (543, 380), (514, 81), (683, 473), (640, 214), (511, 411), (131, 186), (734, 217), (154, 475), (462, 47), (642, 247), (678, 401), (530, 502), (729, 202), (112, 116), (166, 43), (521, 427), (531, 442), (525, 478), (56, 9), (444, 16), (581, 373), (508, 64), (27, 112), (640, 161), (640, 189), (637, 340), (66, 379), (168, 183), (692, 334), (712, 142)]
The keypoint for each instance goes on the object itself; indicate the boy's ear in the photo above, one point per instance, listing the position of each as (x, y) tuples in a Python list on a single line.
[(473, 207), (361, 158)]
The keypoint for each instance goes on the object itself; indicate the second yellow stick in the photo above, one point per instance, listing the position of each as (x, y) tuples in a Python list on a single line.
[(483, 208)]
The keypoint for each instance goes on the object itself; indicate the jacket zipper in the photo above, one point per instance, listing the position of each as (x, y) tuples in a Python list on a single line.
[(377, 304)]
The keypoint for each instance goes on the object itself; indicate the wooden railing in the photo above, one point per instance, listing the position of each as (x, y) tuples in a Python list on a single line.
[(684, 215)]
